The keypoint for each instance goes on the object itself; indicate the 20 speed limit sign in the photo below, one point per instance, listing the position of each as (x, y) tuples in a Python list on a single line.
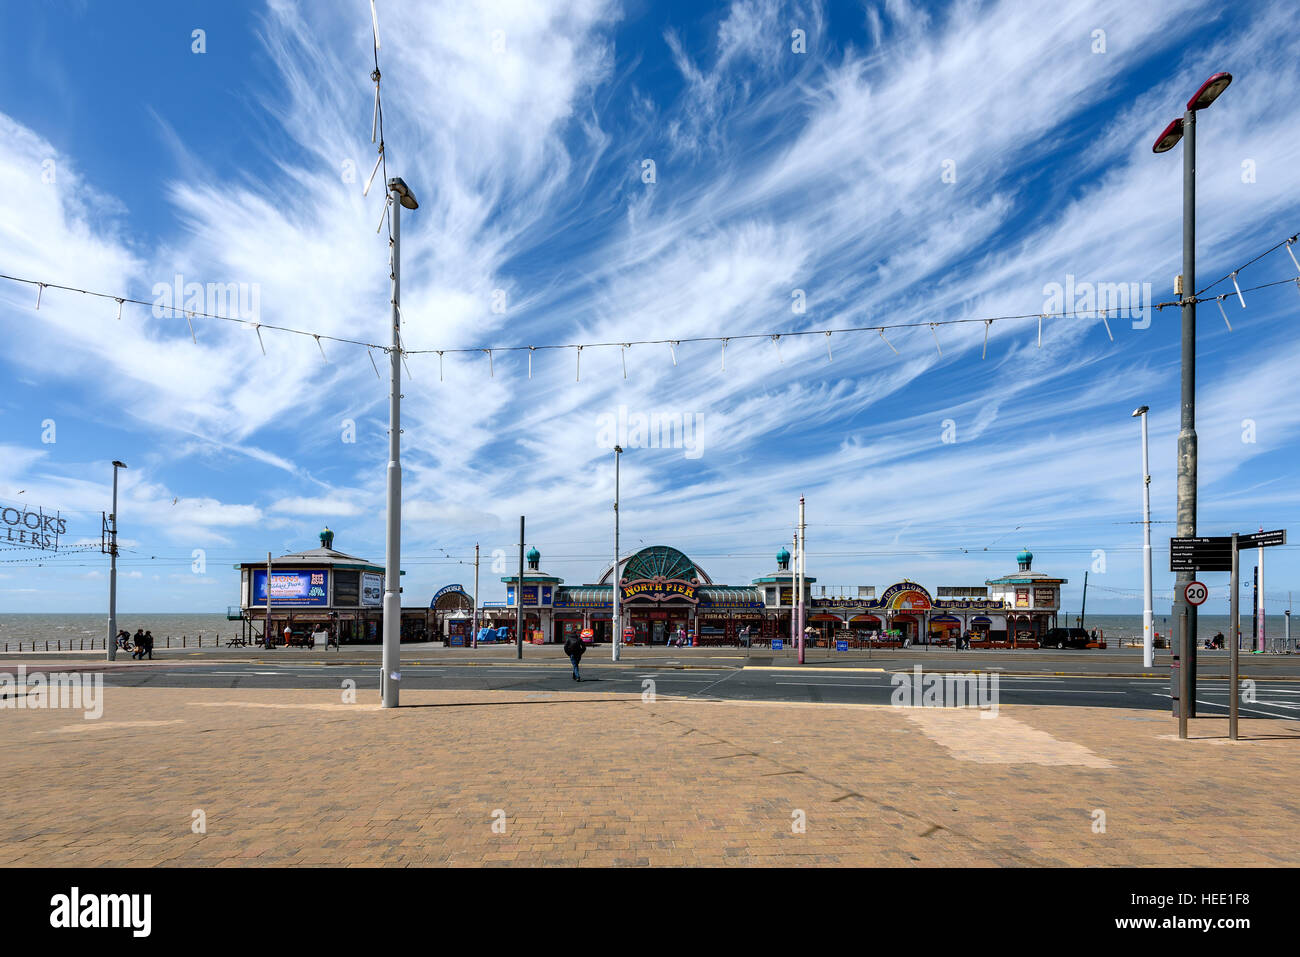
[(1196, 593)]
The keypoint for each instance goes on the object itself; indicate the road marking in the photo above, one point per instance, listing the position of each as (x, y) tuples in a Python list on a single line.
[(1215, 704), (805, 668)]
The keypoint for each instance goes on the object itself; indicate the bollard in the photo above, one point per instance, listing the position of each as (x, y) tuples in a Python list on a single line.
[(182, 641), (169, 641), (47, 645)]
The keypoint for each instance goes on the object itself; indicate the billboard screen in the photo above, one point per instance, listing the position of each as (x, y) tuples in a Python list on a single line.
[(299, 586), (372, 589)]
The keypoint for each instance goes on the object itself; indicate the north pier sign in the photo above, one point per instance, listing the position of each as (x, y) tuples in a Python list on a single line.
[(660, 589), (31, 527)]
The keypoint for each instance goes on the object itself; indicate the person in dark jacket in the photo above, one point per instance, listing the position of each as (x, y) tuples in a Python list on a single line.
[(574, 648), (148, 644), (138, 641)]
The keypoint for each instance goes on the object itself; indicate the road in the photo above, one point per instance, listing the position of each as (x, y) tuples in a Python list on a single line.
[(854, 683)]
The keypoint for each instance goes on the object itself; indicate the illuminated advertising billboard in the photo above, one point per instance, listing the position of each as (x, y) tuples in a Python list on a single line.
[(299, 586)]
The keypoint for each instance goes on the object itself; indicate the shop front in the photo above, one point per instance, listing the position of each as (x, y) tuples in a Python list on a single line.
[(944, 629), (655, 624)]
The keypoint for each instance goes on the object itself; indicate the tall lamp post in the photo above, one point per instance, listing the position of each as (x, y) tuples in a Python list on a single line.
[(391, 676), (618, 624), (112, 570), (1184, 128), (1148, 644)]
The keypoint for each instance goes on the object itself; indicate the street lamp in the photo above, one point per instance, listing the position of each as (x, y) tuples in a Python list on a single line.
[(618, 624), (390, 677), (1185, 129), (1148, 645), (112, 570)]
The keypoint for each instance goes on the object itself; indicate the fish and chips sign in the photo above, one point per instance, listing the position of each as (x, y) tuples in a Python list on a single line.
[(31, 527), (660, 589)]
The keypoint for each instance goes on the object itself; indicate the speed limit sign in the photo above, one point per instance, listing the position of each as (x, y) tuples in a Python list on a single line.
[(1196, 593)]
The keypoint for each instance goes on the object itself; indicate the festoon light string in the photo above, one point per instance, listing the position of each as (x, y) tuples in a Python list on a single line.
[(775, 337)]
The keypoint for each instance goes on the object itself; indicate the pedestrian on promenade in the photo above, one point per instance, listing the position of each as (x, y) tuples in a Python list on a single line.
[(575, 649), (138, 641), (331, 638), (148, 644)]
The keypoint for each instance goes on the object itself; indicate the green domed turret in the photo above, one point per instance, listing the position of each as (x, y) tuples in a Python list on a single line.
[(326, 538), (783, 558), (534, 556), (1026, 559)]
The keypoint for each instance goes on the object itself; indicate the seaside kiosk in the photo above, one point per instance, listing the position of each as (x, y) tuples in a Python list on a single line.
[(320, 587)]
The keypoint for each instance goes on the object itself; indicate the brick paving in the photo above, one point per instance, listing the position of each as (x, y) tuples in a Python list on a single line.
[(300, 778)]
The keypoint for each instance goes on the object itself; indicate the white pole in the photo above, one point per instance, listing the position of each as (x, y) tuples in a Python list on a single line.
[(618, 630), (794, 565), (391, 674), (1148, 614), (112, 577), (266, 636), (474, 620), (802, 546), (1261, 613)]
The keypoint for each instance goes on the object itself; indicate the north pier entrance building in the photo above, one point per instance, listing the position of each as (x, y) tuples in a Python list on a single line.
[(663, 593)]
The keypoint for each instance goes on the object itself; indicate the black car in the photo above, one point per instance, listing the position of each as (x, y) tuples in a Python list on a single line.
[(1066, 638)]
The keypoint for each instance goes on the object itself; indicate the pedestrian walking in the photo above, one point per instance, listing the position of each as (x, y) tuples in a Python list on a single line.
[(148, 644), (575, 649), (331, 638), (138, 642)]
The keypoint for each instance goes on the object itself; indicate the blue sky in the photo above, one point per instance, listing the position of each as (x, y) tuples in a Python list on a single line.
[(914, 163)]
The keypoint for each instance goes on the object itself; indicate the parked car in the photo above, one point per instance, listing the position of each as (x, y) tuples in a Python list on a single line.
[(1066, 638)]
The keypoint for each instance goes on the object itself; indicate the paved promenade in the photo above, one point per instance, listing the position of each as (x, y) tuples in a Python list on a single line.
[(301, 778)]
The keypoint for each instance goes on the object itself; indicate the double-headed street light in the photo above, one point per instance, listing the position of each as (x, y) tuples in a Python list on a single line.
[(1184, 128), (1148, 644)]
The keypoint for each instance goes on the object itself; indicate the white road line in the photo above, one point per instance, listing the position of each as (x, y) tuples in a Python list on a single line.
[(1215, 704)]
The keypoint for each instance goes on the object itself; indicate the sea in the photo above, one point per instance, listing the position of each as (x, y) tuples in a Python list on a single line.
[(75, 627), (70, 628)]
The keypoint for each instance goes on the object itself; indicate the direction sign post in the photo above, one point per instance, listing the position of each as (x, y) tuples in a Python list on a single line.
[(1216, 554), (1209, 554)]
